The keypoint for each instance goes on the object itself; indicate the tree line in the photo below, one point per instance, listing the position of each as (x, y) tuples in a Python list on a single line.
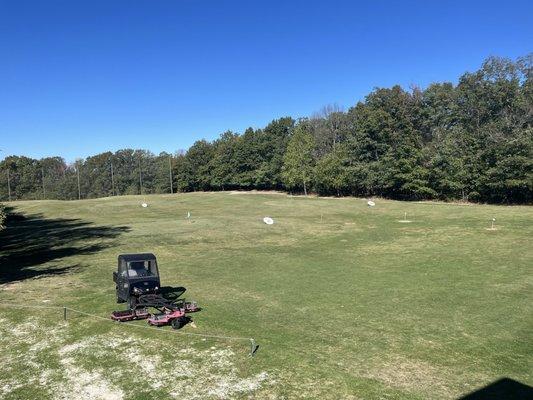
[(107, 174), (469, 141)]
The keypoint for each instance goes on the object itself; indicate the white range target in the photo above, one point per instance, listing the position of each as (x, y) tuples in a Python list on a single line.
[(268, 220)]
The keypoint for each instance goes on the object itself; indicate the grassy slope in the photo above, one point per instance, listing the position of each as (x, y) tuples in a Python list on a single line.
[(345, 301)]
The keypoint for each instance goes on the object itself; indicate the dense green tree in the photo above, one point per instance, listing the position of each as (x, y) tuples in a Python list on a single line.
[(299, 160), (447, 173), (247, 158), (509, 174), (332, 173), (126, 172), (96, 180), (183, 174), (163, 164), (53, 172), (272, 145), (25, 178), (222, 166), (196, 166)]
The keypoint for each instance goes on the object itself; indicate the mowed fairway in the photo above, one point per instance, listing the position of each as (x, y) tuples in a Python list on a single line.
[(345, 301)]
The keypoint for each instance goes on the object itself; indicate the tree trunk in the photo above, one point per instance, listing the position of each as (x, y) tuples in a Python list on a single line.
[(305, 189)]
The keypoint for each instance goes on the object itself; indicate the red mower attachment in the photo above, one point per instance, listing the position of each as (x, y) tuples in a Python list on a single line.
[(130, 315), (175, 318), (170, 312)]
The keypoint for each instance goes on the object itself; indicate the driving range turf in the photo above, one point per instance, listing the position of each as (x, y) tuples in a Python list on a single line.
[(345, 301)]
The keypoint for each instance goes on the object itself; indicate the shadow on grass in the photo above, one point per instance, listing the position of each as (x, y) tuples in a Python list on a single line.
[(29, 241), (504, 388)]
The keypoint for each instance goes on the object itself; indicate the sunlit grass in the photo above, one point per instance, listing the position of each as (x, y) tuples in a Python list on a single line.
[(344, 300)]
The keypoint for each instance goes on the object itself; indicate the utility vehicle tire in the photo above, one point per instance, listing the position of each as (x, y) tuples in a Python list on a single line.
[(179, 323)]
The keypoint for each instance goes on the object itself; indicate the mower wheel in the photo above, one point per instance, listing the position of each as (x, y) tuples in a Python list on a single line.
[(179, 323)]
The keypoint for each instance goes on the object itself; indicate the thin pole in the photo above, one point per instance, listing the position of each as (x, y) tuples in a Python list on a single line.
[(170, 173), (112, 181), (8, 186), (42, 179), (140, 177), (79, 188)]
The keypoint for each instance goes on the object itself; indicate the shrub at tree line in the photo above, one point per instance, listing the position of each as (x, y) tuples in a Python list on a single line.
[(471, 141)]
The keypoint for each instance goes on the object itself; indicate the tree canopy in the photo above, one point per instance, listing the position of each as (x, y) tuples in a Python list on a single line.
[(467, 141)]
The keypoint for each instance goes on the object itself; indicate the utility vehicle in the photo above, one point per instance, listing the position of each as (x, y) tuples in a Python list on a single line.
[(137, 283)]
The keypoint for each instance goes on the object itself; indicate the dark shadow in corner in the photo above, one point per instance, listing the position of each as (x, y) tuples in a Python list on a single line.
[(29, 241), (504, 388)]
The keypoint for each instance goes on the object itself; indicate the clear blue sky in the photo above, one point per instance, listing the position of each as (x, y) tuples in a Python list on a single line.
[(82, 77)]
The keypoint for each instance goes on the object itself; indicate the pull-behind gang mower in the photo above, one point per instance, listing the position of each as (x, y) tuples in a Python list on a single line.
[(138, 284)]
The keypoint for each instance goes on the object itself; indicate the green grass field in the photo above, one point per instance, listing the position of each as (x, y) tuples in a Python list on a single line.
[(345, 301)]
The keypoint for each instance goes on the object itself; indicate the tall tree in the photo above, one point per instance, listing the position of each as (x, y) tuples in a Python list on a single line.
[(222, 166), (272, 145), (299, 160), (332, 172)]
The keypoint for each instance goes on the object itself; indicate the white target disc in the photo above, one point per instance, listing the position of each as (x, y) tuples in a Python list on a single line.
[(370, 203), (144, 205), (268, 220)]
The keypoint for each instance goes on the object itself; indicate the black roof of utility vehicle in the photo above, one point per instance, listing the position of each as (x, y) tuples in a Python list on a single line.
[(136, 257)]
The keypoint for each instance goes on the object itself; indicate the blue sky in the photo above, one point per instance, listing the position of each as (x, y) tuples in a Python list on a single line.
[(82, 77)]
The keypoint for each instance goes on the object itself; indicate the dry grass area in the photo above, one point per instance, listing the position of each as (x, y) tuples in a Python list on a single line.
[(53, 362)]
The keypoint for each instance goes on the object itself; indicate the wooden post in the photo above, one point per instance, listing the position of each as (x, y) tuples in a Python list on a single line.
[(112, 181), (170, 173), (79, 188), (42, 179), (140, 177), (8, 185)]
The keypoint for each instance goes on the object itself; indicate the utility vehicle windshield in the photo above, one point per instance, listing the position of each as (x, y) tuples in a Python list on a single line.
[(142, 268)]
